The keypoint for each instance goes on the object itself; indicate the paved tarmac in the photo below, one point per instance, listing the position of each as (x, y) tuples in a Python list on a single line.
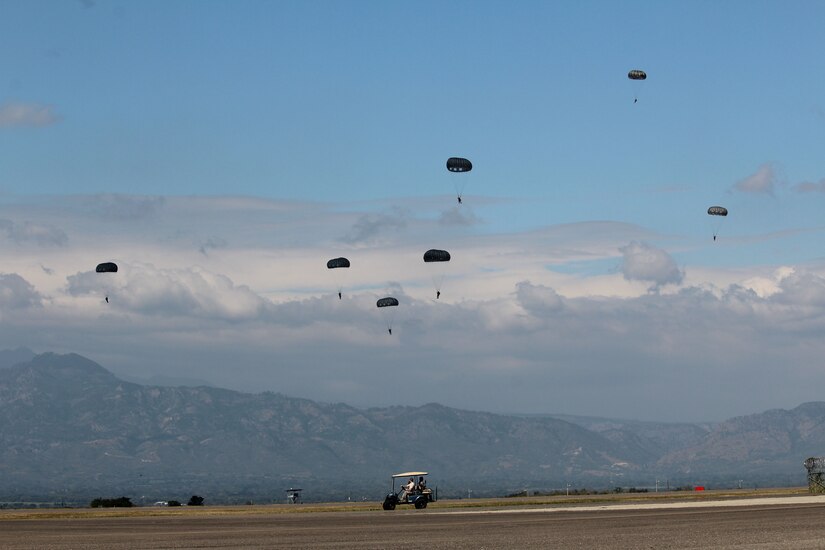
[(788, 523)]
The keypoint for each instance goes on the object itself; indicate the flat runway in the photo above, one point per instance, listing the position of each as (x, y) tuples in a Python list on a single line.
[(786, 523)]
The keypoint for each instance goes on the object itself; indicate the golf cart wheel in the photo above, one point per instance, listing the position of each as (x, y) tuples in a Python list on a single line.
[(388, 505), (421, 503)]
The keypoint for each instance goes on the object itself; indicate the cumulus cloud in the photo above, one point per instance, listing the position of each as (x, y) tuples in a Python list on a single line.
[(644, 262), (17, 293), (801, 289), (521, 326), (184, 292), (537, 299), (531, 349), (27, 114), (40, 234), (763, 181), (767, 286)]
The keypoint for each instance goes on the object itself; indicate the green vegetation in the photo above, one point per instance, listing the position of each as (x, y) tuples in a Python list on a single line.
[(122, 502)]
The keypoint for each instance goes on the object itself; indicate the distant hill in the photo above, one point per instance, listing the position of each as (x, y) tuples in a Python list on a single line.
[(71, 429), (11, 357), (648, 439), (770, 444)]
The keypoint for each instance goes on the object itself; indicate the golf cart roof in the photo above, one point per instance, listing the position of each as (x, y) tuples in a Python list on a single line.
[(409, 474)]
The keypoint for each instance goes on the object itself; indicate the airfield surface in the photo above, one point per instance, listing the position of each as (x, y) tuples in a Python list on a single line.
[(782, 522)]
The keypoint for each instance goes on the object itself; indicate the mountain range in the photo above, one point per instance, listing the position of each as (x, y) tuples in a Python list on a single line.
[(70, 430)]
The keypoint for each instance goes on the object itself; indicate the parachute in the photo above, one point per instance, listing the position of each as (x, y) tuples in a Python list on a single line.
[(439, 258), (106, 267), (636, 75), (459, 165), (337, 263), (387, 302), (719, 213), (434, 255), (387, 306)]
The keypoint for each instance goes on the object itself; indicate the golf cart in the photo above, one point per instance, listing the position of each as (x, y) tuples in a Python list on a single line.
[(414, 491), (293, 496)]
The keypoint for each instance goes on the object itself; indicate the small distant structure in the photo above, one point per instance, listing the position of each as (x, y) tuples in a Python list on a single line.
[(816, 474), (293, 496)]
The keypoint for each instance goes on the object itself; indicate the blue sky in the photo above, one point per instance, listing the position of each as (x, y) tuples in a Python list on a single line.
[(220, 150)]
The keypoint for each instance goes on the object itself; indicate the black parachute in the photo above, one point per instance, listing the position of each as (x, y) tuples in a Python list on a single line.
[(720, 211), (337, 262), (387, 306), (106, 267), (458, 164), (439, 258), (434, 255), (636, 76), (387, 302)]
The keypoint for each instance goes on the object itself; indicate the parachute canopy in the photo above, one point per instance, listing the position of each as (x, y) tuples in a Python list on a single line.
[(337, 262), (458, 164), (387, 302), (718, 211), (107, 267), (434, 255), (637, 74)]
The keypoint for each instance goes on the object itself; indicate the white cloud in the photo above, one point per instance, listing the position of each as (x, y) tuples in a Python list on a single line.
[(803, 289), (644, 262), (40, 234), (767, 286), (27, 114), (538, 299), (17, 293), (195, 292), (520, 325), (763, 181)]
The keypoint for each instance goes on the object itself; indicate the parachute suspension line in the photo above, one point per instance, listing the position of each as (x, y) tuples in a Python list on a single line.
[(437, 259), (387, 306), (459, 165), (719, 213), (337, 264), (636, 76), (106, 267)]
